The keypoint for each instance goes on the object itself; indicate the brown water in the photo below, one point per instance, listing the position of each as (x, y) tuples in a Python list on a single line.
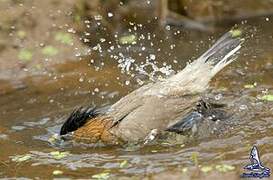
[(33, 109)]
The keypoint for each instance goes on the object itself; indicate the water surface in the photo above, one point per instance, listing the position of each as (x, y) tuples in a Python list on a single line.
[(36, 106)]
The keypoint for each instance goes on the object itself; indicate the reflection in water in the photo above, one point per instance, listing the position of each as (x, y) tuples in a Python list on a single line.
[(30, 116)]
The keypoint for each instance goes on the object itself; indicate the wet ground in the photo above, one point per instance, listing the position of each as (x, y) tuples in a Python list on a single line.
[(32, 109)]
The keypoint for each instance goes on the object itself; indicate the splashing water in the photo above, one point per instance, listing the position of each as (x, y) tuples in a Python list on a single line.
[(150, 68)]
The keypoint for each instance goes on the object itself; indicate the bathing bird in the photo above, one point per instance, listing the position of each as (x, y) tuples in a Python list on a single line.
[(171, 105)]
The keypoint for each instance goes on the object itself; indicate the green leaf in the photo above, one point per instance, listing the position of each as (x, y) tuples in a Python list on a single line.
[(206, 169), (129, 39), (194, 158), (49, 51), (57, 172), (38, 66), (58, 154), (64, 38), (21, 34), (249, 86), (184, 170), (123, 164), (104, 175), (268, 97), (25, 55), (235, 33), (224, 168), (21, 158), (53, 138), (77, 18)]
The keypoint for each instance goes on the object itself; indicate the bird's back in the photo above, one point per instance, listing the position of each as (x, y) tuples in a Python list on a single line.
[(151, 112)]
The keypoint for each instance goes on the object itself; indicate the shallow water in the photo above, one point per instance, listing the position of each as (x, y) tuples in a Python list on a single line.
[(32, 113)]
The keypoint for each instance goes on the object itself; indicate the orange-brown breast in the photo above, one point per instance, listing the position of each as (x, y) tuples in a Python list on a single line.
[(96, 130)]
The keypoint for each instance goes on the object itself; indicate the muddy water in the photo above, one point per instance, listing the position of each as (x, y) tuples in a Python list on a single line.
[(34, 108)]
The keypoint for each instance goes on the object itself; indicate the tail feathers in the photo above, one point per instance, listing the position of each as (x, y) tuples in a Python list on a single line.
[(222, 46), (78, 118), (223, 52), (195, 77)]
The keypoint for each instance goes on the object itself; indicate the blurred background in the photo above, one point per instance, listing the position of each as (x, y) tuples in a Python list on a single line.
[(59, 55)]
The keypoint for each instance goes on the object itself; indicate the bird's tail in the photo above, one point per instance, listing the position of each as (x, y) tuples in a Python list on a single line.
[(223, 52), (196, 75)]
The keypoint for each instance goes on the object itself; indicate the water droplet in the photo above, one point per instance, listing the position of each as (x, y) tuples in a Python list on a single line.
[(81, 79), (152, 56), (98, 17), (243, 107), (96, 90), (127, 83), (110, 14), (218, 97), (102, 40), (71, 30)]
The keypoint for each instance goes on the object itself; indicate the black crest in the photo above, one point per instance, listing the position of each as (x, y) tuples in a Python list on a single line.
[(78, 118)]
